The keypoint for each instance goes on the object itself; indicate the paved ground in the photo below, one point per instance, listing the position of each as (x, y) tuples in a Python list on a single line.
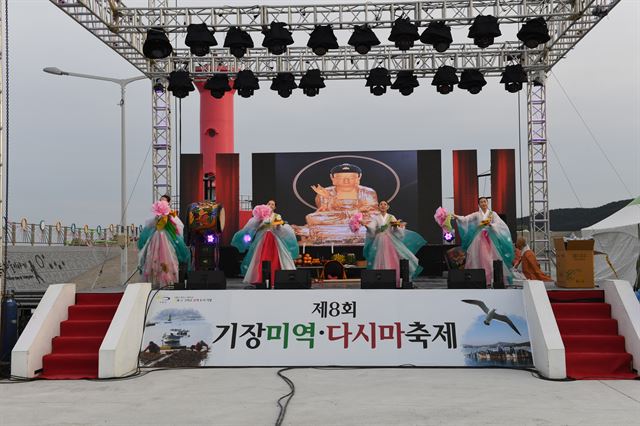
[(323, 397)]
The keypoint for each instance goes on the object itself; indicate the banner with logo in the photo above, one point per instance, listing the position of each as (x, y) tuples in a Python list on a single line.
[(336, 327)]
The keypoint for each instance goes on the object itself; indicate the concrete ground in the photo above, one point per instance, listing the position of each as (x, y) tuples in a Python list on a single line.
[(402, 396)]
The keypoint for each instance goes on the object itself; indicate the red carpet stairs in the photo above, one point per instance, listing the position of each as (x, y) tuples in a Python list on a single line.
[(75, 351), (593, 347)]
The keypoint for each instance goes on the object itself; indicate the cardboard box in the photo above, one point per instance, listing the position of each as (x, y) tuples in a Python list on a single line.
[(574, 263)]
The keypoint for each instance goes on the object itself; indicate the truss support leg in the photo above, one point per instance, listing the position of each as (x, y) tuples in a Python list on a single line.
[(161, 143)]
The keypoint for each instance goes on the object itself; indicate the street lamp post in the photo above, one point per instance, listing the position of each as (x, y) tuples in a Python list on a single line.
[(122, 82)]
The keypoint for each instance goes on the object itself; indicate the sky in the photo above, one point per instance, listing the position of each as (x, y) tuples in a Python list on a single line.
[(64, 132)]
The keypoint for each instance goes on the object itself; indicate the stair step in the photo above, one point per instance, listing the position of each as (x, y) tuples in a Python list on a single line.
[(95, 312), (76, 344), (594, 343), (584, 326), (78, 365), (84, 328), (589, 365), (98, 298), (564, 296), (581, 310)]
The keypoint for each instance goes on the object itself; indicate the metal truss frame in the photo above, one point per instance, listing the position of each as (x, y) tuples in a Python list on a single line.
[(2, 151), (161, 143)]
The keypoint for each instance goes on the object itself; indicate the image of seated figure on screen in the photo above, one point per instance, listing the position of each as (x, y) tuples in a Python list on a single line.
[(336, 204)]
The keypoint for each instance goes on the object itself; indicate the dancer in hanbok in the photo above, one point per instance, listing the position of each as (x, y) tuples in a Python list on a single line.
[(161, 246), (266, 237), (485, 238), (387, 241)]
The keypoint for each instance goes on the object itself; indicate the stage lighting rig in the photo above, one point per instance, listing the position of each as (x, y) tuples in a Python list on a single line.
[(534, 32), (378, 80), (277, 38), (180, 84), (311, 83), (156, 45), (513, 77), (200, 39), (404, 33), (246, 83), (238, 41), (218, 85), (472, 80), (158, 87), (363, 38), (445, 79), (405, 82), (438, 35), (484, 30), (284, 83), (322, 39)]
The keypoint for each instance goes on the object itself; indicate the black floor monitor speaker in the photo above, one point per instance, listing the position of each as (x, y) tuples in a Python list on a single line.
[(467, 278), (378, 278), (292, 280), (206, 280)]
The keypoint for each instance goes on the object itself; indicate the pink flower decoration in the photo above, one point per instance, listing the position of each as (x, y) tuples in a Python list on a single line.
[(161, 208), (355, 222), (261, 212), (443, 219)]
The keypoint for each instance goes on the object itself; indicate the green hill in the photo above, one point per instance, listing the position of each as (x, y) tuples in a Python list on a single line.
[(578, 218)]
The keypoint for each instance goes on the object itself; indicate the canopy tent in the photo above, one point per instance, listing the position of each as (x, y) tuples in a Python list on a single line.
[(619, 237)]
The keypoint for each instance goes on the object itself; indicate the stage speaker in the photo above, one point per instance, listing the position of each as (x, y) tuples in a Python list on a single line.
[(205, 257), (377, 278), (404, 274), (266, 272), (292, 280), (498, 274), (467, 278), (206, 280)]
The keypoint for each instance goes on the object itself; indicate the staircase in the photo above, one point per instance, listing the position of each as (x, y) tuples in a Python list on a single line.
[(593, 347), (75, 350)]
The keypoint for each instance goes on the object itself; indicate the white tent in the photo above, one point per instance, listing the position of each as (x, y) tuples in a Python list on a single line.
[(619, 237)]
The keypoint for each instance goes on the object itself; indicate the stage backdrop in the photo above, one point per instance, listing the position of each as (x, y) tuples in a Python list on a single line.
[(409, 180), (336, 327)]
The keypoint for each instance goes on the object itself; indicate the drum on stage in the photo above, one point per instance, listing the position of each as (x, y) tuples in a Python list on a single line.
[(206, 216)]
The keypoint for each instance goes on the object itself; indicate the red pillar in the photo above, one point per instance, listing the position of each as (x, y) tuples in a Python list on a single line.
[(216, 127)]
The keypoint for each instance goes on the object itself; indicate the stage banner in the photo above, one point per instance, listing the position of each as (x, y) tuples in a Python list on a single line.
[(336, 327)]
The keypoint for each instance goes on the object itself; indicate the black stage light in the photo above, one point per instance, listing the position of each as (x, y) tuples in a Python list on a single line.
[(404, 33), (277, 38), (363, 38), (311, 83), (534, 32), (438, 35), (472, 80), (483, 30), (322, 39), (218, 85), (405, 82), (180, 83), (200, 39), (284, 83), (238, 41), (246, 83), (513, 77), (156, 45), (378, 80), (445, 79)]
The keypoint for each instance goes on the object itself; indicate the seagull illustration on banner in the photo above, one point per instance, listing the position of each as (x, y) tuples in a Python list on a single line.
[(491, 314)]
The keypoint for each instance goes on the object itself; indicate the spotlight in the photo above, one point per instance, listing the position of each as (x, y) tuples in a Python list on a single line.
[(438, 35), (378, 80), (180, 83), (211, 239), (448, 236), (483, 30), (472, 80), (238, 41), (513, 77), (246, 238), (284, 83), (405, 82), (158, 87), (311, 83), (322, 39), (156, 45), (200, 39), (277, 38), (246, 83), (363, 38), (218, 85), (534, 32), (445, 79), (404, 33)]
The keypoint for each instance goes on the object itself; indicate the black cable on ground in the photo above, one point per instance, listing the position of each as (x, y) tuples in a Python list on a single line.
[(287, 397)]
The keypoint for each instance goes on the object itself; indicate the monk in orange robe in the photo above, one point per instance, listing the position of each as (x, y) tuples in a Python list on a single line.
[(530, 266)]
